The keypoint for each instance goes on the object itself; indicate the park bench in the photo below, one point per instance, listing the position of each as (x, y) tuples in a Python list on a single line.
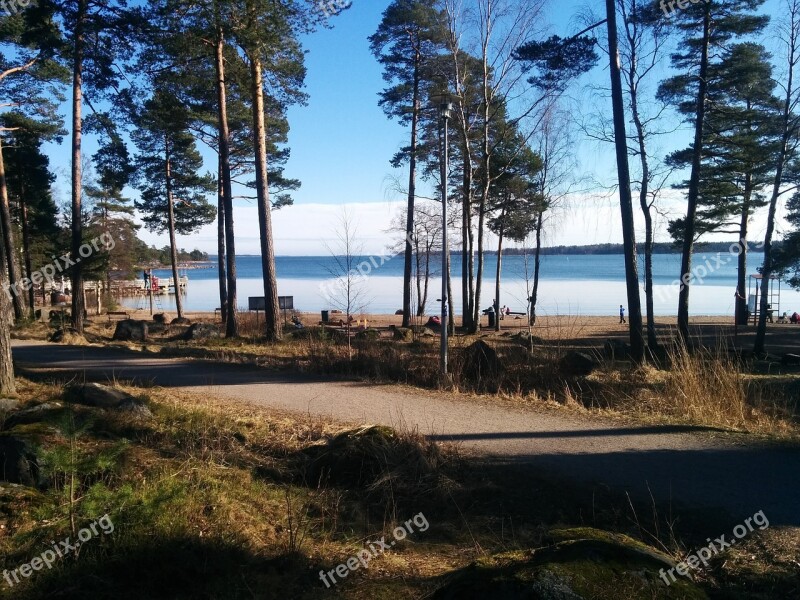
[(117, 314)]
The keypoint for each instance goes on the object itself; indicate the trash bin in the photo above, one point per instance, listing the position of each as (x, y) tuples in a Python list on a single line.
[(324, 316), (491, 315)]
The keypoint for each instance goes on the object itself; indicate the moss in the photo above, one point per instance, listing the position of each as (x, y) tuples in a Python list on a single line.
[(584, 563)]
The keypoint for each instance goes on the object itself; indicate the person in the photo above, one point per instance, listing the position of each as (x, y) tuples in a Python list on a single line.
[(146, 277), (508, 310), (622, 314), (795, 318)]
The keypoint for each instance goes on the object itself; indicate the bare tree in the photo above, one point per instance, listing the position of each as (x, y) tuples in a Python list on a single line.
[(789, 126), (346, 291)]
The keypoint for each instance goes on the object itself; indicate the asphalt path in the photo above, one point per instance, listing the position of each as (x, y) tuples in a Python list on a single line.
[(690, 468)]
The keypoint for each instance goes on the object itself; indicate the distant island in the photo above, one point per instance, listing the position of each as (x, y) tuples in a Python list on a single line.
[(659, 248)]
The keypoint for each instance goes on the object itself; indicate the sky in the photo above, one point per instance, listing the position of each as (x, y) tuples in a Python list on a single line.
[(341, 143)]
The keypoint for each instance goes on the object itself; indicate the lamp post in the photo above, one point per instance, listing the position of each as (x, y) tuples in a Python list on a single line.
[(445, 102)]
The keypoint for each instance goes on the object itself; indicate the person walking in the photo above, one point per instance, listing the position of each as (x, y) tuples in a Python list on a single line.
[(622, 314)]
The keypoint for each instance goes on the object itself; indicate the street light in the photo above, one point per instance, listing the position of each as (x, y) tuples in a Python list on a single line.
[(445, 102)]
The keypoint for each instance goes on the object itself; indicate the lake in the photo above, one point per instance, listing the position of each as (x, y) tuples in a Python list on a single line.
[(569, 284)]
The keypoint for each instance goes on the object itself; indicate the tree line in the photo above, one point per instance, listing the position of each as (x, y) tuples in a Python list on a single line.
[(155, 82)]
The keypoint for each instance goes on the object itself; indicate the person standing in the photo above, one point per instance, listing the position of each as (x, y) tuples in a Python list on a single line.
[(622, 314)]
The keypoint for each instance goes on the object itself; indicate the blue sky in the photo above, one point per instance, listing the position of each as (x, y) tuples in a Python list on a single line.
[(341, 145)]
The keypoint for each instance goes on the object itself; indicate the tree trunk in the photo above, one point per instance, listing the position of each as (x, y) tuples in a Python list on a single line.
[(26, 252), (694, 182), (741, 267), (78, 304), (7, 387), (468, 241), (426, 281), (14, 281), (766, 270), (223, 288), (625, 199), (497, 276), (537, 265), (652, 339), (173, 244), (272, 313), (412, 190), (232, 318)]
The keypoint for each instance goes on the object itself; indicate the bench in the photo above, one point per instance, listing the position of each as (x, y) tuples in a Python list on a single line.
[(121, 314)]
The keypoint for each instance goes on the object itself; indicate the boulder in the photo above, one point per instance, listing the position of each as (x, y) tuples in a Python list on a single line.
[(160, 318), (7, 404), (576, 564), (481, 363), (63, 335), (18, 460), (131, 331), (577, 364), (368, 334), (202, 331), (34, 414), (403, 334), (103, 396), (180, 321)]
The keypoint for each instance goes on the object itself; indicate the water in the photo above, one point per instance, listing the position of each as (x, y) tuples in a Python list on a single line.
[(569, 284)]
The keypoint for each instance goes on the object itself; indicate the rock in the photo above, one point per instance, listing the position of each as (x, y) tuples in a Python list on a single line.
[(7, 404), (577, 363), (97, 395), (160, 318), (131, 331), (18, 461), (34, 414), (368, 334), (616, 349), (403, 334), (103, 396), (525, 338), (202, 331), (180, 321), (63, 335), (481, 363), (399, 311), (577, 564)]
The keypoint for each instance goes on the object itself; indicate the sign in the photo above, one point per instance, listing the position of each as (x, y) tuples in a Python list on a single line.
[(286, 302), (257, 303)]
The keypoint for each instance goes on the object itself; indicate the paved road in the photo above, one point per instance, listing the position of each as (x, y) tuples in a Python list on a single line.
[(686, 466)]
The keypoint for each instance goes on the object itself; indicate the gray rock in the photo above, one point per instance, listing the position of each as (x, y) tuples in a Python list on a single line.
[(160, 318), (103, 396), (34, 414), (403, 334), (180, 321), (131, 331), (203, 331), (18, 460), (481, 364), (7, 404), (577, 364)]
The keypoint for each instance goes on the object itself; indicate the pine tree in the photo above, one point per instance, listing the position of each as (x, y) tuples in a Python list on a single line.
[(409, 36), (173, 193), (706, 29)]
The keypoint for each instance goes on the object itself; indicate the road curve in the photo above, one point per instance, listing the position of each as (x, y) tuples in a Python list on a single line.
[(681, 466)]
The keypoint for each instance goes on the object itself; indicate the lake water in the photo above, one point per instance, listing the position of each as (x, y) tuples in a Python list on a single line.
[(569, 284)]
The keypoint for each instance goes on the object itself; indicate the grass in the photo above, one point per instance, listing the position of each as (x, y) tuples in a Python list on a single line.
[(217, 501)]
